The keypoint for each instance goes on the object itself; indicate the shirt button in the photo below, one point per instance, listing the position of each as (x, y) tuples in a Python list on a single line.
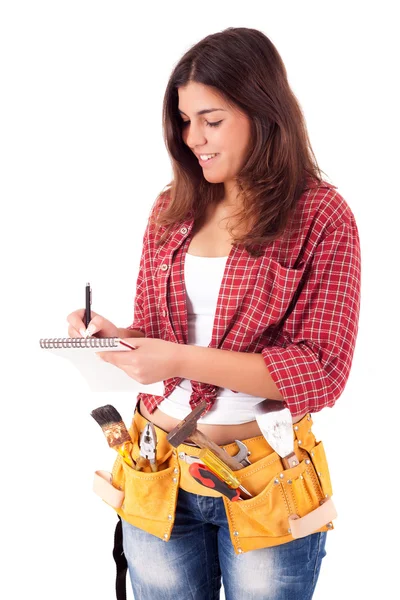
[(164, 313), (184, 230), (164, 267)]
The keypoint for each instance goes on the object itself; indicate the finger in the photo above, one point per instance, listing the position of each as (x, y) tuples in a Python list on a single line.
[(95, 325), (73, 333), (117, 358), (76, 325)]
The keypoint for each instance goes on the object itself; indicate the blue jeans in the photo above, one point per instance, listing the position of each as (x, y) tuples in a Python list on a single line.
[(199, 552)]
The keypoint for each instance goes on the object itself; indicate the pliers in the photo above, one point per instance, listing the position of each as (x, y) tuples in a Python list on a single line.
[(148, 444)]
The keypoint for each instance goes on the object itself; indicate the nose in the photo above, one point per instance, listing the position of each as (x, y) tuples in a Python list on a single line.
[(194, 136)]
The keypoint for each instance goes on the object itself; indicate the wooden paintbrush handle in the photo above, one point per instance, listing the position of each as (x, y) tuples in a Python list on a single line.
[(204, 442)]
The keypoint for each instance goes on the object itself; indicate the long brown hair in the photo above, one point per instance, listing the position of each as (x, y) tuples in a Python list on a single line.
[(244, 67)]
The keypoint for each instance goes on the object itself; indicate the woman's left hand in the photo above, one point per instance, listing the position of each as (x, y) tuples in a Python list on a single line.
[(153, 359)]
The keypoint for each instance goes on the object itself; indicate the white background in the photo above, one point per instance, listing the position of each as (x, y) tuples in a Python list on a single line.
[(82, 160)]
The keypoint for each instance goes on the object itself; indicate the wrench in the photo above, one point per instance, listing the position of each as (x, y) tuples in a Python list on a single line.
[(243, 453)]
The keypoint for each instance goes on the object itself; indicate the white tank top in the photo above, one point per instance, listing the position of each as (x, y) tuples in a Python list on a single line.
[(203, 277)]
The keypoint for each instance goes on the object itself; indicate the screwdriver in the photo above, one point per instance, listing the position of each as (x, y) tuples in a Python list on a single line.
[(217, 466), (206, 477)]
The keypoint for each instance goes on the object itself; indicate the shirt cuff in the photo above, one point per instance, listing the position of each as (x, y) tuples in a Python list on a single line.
[(300, 378)]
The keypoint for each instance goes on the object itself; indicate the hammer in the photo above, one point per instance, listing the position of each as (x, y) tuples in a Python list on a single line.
[(187, 429)]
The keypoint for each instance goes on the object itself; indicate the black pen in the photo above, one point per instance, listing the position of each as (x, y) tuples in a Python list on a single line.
[(88, 302)]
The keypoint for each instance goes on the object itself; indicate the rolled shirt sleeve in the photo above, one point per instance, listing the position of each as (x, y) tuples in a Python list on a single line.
[(312, 369)]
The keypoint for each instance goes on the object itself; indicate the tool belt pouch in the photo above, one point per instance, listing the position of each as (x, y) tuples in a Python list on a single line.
[(286, 503), (149, 497)]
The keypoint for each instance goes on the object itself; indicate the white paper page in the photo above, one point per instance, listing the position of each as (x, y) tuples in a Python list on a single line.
[(102, 376)]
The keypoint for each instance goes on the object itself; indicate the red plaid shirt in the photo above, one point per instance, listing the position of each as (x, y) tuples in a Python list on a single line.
[(298, 304)]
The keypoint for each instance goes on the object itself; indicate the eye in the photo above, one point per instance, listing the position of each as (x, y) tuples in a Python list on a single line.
[(214, 124)]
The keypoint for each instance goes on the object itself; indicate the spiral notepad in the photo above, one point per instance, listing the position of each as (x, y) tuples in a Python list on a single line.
[(100, 376), (89, 342)]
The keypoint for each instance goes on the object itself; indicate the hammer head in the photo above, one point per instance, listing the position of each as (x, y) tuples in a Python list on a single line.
[(185, 428)]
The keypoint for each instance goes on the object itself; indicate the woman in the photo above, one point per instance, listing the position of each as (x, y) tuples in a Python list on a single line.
[(248, 288)]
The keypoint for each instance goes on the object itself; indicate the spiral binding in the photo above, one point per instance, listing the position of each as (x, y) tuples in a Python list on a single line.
[(89, 342)]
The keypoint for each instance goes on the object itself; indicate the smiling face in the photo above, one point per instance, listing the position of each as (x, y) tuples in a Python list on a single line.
[(225, 131)]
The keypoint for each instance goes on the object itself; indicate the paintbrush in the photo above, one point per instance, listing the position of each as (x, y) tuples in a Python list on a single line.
[(114, 429)]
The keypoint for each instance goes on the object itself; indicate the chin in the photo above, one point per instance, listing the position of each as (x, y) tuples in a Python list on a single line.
[(213, 178)]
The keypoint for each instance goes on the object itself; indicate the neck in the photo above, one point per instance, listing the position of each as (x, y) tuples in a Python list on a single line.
[(231, 194)]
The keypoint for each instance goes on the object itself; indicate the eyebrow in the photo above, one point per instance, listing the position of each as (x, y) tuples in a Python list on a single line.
[(203, 112)]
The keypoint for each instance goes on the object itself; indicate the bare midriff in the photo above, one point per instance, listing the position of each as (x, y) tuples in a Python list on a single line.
[(219, 434)]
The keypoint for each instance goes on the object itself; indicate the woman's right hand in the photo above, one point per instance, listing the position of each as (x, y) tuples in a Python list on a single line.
[(101, 327)]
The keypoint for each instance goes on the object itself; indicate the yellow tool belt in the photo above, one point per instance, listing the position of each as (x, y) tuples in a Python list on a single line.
[(285, 504)]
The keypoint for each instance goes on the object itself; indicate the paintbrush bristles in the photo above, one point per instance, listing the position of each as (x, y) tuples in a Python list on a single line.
[(106, 414), (112, 425)]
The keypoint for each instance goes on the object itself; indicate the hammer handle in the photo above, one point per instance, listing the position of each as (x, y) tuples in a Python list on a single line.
[(204, 442)]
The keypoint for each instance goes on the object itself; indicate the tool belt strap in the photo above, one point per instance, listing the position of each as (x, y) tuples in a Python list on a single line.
[(121, 563)]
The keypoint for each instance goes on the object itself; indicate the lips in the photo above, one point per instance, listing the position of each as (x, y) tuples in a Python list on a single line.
[(204, 163)]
